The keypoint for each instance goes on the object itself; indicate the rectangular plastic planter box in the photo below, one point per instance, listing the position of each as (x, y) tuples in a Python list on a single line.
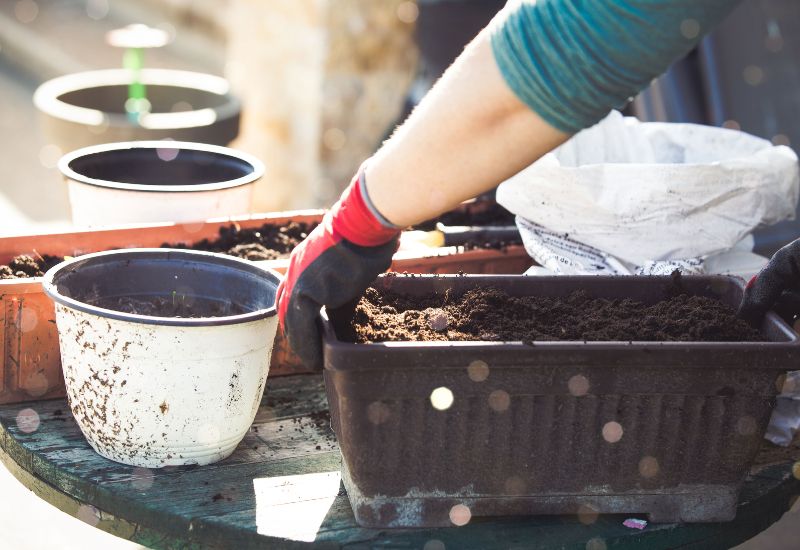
[(30, 367), (531, 427)]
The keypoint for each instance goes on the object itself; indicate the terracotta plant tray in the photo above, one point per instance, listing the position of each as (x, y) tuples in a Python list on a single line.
[(528, 428), (31, 365)]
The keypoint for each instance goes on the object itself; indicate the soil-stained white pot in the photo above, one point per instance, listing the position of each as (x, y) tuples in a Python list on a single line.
[(163, 391), (157, 181), (88, 108)]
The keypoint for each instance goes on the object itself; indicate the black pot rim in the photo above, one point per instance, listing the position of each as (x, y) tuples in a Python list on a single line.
[(51, 289), (70, 174)]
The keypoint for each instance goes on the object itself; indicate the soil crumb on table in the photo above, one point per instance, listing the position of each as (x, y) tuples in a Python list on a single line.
[(489, 314), (24, 266), (268, 242)]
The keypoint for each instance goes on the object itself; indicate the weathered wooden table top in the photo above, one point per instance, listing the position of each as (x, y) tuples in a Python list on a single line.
[(280, 489)]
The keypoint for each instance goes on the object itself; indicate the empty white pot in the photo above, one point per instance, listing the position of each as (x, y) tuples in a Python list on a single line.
[(158, 181), (157, 391), (88, 108)]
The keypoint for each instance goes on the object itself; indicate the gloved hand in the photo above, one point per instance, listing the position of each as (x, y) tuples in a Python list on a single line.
[(775, 287), (333, 266)]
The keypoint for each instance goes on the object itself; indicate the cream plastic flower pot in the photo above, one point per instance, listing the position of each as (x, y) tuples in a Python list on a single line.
[(157, 391), (157, 181), (88, 108)]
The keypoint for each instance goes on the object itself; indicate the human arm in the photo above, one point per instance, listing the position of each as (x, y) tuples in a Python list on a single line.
[(539, 73), (536, 75)]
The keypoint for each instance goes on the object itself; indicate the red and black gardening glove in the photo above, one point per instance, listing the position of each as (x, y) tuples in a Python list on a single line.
[(333, 267), (777, 286)]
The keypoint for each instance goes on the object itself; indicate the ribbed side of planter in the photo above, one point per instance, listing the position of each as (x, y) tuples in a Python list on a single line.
[(557, 427)]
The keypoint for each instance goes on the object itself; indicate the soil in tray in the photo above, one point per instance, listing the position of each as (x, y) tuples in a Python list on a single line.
[(171, 306), (22, 267), (489, 314), (268, 242)]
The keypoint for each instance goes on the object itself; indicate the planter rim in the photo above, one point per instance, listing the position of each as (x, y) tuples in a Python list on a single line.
[(46, 98), (69, 173), (412, 349), (51, 289)]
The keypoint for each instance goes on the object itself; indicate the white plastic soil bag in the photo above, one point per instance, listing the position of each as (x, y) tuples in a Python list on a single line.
[(647, 192)]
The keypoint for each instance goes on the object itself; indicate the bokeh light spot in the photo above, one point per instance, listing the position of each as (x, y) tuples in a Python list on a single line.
[(334, 139), (746, 426), (377, 412), (796, 470), (28, 319), (88, 514), (137, 106), (648, 467), (99, 129), (36, 384), (514, 485), (142, 479), (182, 107), (167, 154), (753, 75), (407, 12), (587, 514), (596, 544), (690, 28), (499, 400), (460, 515), (208, 434), (612, 432), (28, 421), (97, 9), (49, 155), (578, 385), (441, 398), (732, 125), (26, 11), (478, 371)]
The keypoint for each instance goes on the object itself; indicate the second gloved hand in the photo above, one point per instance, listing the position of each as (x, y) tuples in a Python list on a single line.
[(332, 267), (776, 286)]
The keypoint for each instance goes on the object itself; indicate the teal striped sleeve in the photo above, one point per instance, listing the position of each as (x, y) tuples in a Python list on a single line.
[(572, 61)]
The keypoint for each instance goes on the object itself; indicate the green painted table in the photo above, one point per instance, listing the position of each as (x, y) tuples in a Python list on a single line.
[(280, 489)]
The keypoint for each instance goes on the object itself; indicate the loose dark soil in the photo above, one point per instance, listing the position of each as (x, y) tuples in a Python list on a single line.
[(489, 314), (177, 306), (23, 267), (268, 242)]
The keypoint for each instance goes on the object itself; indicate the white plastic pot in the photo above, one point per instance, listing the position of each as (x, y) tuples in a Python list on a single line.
[(157, 181), (88, 108), (163, 391)]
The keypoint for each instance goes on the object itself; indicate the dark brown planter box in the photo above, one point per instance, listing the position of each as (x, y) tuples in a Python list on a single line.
[(528, 439)]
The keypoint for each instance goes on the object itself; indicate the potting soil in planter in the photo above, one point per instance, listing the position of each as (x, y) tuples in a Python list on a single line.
[(489, 314), (170, 306), (24, 266), (267, 242)]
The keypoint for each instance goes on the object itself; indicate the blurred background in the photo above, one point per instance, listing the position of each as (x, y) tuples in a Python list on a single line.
[(322, 83)]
